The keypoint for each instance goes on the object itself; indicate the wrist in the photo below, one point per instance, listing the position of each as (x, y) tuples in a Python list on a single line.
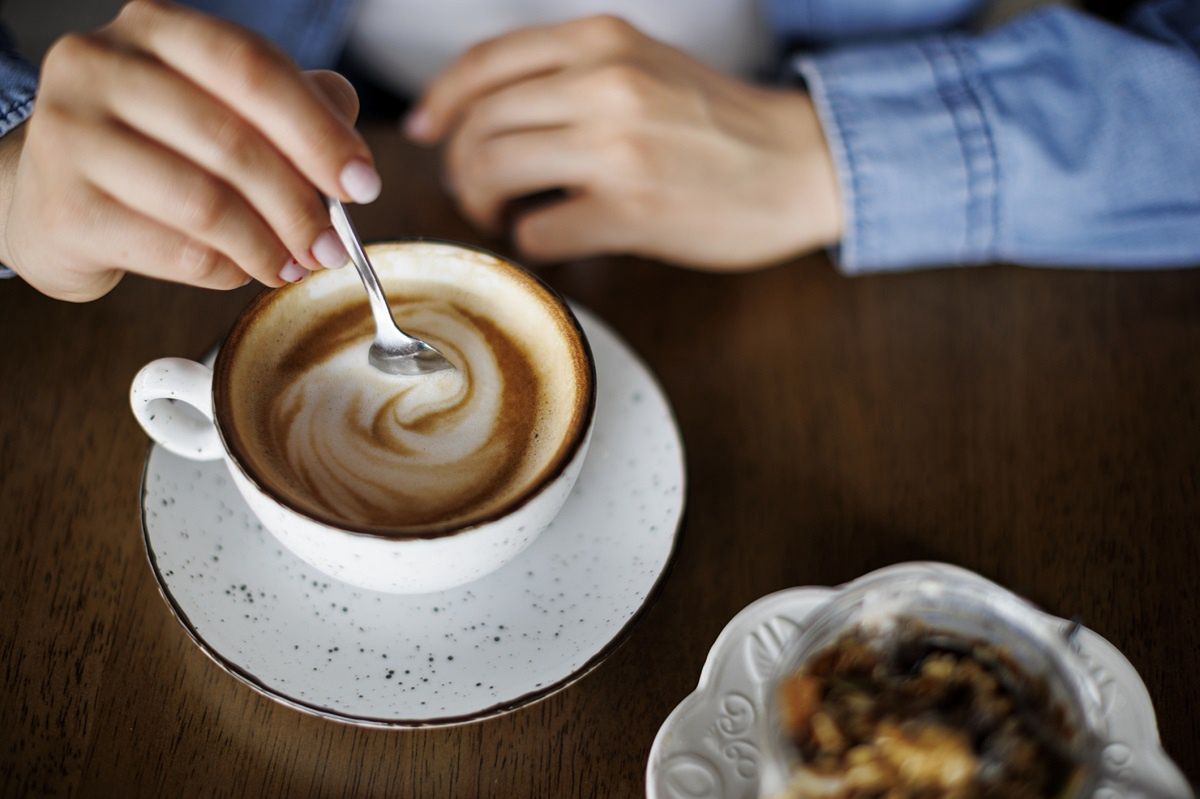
[(814, 204), (11, 145)]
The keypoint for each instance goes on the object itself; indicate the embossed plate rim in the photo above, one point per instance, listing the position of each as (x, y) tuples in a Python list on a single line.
[(748, 618)]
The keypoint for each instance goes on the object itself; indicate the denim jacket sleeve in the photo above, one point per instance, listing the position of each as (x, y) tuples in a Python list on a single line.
[(18, 86), (822, 22), (312, 32), (1058, 139)]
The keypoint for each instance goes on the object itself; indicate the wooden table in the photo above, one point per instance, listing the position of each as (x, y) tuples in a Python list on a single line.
[(1039, 427)]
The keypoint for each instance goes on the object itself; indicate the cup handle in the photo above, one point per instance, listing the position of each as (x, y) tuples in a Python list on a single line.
[(183, 381)]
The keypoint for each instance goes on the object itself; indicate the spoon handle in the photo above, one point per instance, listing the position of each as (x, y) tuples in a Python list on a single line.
[(385, 324)]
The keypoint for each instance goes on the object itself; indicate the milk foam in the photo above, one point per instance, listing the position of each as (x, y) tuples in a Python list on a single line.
[(316, 425), (366, 444)]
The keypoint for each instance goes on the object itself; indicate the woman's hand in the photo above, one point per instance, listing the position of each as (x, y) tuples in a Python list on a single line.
[(181, 147), (659, 155)]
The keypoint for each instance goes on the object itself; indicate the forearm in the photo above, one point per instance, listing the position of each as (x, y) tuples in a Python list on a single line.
[(10, 154)]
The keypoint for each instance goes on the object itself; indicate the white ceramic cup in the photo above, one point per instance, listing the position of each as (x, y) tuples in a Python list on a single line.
[(409, 562)]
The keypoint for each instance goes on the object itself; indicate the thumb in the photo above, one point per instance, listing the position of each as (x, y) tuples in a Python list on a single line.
[(336, 90)]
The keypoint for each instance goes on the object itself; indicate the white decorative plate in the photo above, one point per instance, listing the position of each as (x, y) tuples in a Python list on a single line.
[(713, 745), (534, 626)]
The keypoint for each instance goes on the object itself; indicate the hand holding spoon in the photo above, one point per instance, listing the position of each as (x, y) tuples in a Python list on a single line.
[(393, 351)]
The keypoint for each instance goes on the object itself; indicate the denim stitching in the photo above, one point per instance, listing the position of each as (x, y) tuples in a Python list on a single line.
[(848, 175), (929, 48), (852, 143), (959, 100), (984, 164), (15, 114), (991, 189)]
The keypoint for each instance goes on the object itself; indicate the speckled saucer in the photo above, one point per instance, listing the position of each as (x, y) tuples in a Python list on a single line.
[(535, 626)]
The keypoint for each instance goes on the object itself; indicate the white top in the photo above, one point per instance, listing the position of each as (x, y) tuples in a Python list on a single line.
[(405, 43)]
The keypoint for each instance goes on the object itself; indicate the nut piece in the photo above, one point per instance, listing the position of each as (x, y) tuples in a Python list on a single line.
[(799, 697), (826, 733), (930, 756)]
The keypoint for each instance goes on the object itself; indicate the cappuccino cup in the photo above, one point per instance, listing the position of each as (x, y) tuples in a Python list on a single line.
[(392, 483)]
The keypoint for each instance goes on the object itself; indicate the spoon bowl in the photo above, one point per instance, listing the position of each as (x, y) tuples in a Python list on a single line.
[(393, 351), (412, 357)]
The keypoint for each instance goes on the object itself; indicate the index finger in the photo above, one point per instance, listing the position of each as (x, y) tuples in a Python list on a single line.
[(263, 86), (507, 59)]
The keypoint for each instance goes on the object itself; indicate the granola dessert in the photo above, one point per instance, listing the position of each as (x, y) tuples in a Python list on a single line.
[(922, 714)]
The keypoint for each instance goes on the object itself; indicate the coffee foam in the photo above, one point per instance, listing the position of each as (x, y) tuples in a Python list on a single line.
[(358, 448)]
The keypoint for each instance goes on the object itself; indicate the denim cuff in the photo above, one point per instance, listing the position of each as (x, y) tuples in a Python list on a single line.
[(18, 86), (915, 158)]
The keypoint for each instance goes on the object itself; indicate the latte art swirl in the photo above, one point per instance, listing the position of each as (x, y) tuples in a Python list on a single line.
[(374, 448), (313, 425)]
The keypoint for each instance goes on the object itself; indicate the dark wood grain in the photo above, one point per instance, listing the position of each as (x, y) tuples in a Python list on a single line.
[(1040, 427)]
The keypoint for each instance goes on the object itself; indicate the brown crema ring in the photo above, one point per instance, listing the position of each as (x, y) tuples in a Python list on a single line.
[(577, 429)]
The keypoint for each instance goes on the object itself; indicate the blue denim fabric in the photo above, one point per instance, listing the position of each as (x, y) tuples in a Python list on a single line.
[(311, 31), (18, 85), (842, 21), (1058, 139)]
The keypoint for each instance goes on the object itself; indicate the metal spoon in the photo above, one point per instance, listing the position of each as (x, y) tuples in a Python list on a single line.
[(393, 350)]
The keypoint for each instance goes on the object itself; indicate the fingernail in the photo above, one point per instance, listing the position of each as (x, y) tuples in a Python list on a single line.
[(361, 181), (416, 126), (328, 250), (292, 272)]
